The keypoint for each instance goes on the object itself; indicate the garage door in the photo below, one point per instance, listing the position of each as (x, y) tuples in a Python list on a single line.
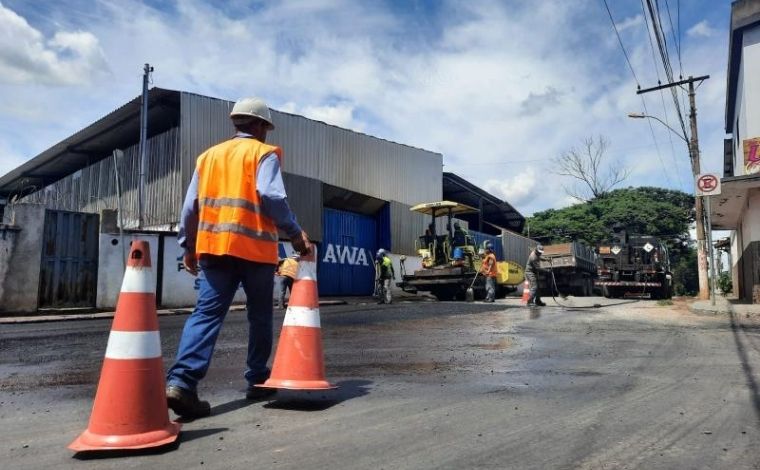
[(346, 255)]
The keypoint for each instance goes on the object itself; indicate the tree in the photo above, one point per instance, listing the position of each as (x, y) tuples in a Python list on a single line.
[(588, 168)]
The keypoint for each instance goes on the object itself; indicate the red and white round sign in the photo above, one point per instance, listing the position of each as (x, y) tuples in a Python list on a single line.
[(708, 184)]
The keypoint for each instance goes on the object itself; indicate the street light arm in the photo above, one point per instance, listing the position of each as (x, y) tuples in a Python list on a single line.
[(642, 116)]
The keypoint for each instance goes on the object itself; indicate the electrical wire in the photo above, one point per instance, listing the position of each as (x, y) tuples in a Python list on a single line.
[(620, 41), (662, 99)]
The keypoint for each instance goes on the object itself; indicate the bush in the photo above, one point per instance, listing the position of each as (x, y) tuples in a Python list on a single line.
[(725, 284), (685, 274)]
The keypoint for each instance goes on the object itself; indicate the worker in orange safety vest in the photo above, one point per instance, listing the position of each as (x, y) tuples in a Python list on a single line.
[(234, 206)]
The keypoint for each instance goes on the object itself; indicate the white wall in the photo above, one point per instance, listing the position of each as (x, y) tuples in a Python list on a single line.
[(412, 264), (111, 265), (20, 287), (747, 95)]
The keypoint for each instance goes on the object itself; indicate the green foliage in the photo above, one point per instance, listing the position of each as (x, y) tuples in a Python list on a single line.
[(685, 273), (664, 302), (725, 284)]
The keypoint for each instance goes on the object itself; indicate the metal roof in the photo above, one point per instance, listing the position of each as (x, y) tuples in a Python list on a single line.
[(119, 129), (493, 211)]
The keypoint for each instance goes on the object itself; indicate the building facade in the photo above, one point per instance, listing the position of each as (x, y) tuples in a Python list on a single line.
[(351, 193), (737, 208)]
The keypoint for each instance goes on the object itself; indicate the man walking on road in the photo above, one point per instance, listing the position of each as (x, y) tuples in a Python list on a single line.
[(385, 275), (234, 206), (531, 274), (488, 269)]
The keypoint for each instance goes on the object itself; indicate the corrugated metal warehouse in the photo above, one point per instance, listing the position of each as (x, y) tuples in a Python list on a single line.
[(350, 191)]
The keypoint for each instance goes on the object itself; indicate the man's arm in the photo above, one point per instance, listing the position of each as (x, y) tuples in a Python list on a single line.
[(188, 225), (274, 201)]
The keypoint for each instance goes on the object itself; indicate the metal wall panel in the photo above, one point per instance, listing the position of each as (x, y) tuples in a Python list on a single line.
[(305, 200), (406, 227), (340, 157), (69, 269), (481, 238), (93, 188), (204, 122), (516, 247), (346, 261)]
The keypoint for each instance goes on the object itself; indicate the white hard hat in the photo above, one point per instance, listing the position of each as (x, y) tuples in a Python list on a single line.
[(252, 107)]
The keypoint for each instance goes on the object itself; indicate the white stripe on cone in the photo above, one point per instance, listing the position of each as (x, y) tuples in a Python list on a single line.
[(133, 345), (307, 270), (302, 316), (138, 280)]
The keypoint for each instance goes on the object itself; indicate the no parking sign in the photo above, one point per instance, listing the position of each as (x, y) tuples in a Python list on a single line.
[(708, 184)]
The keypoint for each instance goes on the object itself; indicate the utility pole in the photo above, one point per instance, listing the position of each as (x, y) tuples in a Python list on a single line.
[(143, 144), (693, 144)]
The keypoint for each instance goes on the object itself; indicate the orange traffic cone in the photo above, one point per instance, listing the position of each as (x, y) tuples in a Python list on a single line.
[(130, 409), (526, 292), (299, 363)]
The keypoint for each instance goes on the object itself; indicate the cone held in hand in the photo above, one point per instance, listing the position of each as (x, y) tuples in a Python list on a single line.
[(130, 409), (299, 360)]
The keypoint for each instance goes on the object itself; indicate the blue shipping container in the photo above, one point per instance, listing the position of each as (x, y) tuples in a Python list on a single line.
[(346, 255), (498, 250)]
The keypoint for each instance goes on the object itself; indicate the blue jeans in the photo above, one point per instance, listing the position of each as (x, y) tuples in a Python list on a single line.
[(219, 279)]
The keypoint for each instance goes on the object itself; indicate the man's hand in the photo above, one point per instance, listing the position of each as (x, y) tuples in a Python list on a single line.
[(191, 263), (301, 243)]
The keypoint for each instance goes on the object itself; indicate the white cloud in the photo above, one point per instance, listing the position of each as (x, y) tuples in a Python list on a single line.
[(68, 58), (488, 85), (702, 29), (515, 189)]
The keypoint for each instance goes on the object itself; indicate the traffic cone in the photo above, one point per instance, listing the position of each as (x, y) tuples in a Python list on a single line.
[(299, 361), (130, 409), (526, 292)]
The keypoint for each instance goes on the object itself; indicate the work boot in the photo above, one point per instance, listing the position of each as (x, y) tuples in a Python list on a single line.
[(258, 393), (186, 403), (540, 303)]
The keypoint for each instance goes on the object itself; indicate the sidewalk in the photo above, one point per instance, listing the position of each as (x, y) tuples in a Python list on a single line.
[(724, 306)]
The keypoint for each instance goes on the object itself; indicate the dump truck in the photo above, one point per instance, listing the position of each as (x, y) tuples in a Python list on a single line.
[(451, 259), (568, 268), (636, 265)]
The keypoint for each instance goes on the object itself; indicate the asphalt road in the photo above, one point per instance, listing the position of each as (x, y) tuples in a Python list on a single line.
[(427, 385)]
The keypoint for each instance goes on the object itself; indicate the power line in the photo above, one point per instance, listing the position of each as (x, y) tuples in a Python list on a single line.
[(662, 99), (676, 40), (620, 41)]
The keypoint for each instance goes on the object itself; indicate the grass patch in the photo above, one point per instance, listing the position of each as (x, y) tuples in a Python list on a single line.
[(664, 302)]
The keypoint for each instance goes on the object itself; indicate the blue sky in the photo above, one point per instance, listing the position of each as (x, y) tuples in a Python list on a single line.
[(500, 88)]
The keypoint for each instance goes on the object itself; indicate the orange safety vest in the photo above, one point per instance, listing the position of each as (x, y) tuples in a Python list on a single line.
[(489, 265), (230, 220)]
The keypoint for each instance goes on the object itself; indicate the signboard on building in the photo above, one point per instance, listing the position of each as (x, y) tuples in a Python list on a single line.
[(751, 156), (708, 184)]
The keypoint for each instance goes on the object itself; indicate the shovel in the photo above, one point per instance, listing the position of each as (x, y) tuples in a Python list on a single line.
[(470, 294)]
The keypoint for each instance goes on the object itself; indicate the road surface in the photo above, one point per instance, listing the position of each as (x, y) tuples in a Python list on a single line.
[(427, 385)]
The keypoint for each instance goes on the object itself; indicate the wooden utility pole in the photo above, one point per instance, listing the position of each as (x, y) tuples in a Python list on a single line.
[(693, 144)]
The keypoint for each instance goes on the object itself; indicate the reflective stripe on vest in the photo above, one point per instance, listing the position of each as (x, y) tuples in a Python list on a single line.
[(231, 221)]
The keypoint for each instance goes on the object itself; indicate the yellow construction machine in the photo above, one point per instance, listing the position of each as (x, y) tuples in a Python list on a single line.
[(451, 259)]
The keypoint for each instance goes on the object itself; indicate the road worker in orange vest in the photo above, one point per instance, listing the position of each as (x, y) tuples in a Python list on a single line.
[(488, 269), (287, 269), (235, 204)]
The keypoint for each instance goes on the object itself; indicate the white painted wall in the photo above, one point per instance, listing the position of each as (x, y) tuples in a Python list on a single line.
[(747, 96), (20, 287), (111, 265), (411, 264)]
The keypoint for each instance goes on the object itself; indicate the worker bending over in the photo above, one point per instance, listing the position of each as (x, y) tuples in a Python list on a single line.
[(531, 274)]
